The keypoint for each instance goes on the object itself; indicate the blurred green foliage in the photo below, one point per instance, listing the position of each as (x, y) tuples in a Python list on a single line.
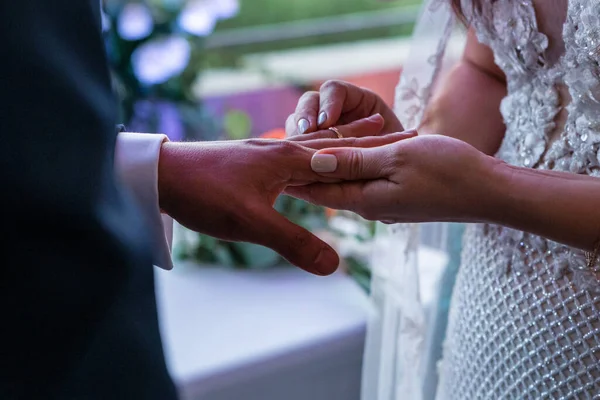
[(262, 12), (255, 13), (208, 250), (143, 103)]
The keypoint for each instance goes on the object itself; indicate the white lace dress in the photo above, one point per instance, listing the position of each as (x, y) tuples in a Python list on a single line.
[(525, 315)]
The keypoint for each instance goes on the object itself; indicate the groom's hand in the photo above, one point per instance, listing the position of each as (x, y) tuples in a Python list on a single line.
[(339, 103), (227, 190)]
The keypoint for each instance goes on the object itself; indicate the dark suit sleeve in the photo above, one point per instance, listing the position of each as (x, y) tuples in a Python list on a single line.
[(77, 309)]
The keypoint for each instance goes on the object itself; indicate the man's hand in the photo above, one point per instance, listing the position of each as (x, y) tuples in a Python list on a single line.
[(339, 103), (227, 190)]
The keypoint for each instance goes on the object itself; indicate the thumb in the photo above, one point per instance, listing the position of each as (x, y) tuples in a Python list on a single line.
[(353, 163), (295, 244)]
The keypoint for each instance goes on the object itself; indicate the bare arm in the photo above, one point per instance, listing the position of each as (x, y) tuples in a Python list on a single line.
[(557, 205), (436, 178), (467, 104)]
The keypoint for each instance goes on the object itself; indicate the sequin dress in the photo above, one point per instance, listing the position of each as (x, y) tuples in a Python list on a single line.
[(525, 316)]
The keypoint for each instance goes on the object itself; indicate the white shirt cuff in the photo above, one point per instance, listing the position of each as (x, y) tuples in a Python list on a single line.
[(136, 162)]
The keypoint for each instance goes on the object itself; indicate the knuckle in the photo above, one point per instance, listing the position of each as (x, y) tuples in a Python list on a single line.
[(296, 247), (356, 162), (308, 95), (254, 142), (331, 84), (372, 94), (301, 239), (395, 159), (288, 148), (306, 105)]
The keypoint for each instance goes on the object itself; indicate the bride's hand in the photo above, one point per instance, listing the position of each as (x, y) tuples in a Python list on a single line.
[(339, 103), (425, 178)]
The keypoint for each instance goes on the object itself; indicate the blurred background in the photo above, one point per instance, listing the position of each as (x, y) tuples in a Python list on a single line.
[(238, 323), (234, 69)]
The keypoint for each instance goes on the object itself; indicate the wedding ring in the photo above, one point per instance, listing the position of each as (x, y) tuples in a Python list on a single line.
[(337, 132)]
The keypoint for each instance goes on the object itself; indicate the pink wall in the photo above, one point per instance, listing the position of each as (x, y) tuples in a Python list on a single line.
[(269, 108)]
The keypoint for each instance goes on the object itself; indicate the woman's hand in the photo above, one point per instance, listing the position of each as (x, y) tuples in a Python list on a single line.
[(424, 178), (339, 103), (227, 190)]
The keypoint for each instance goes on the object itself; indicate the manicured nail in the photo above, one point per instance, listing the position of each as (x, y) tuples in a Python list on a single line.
[(303, 126), (323, 163), (375, 118), (327, 262), (322, 118)]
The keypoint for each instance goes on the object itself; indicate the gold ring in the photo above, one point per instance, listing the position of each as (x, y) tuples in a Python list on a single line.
[(337, 132)]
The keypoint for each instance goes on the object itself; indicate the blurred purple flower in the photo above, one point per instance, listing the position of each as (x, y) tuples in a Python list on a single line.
[(199, 17), (159, 60), (225, 9), (135, 22), (170, 121)]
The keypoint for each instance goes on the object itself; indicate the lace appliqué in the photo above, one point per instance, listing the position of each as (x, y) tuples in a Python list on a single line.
[(509, 27), (413, 94), (529, 111), (578, 151)]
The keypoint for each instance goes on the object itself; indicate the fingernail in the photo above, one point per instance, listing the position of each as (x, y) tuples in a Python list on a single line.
[(323, 163), (375, 118), (327, 261), (303, 126), (322, 118)]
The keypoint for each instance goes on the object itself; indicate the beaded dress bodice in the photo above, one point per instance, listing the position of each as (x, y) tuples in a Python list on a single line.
[(524, 321)]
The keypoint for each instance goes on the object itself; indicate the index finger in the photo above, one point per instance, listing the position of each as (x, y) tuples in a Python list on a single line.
[(338, 98), (332, 98), (304, 119)]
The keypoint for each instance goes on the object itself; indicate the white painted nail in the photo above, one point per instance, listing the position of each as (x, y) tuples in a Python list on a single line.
[(375, 118), (323, 163), (322, 118), (303, 126)]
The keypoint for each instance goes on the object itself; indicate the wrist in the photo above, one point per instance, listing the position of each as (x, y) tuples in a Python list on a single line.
[(168, 165), (491, 203)]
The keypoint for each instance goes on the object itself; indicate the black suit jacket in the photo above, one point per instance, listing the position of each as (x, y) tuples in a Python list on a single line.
[(77, 307)]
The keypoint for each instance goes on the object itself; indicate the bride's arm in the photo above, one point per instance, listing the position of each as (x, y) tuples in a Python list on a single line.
[(467, 104), (436, 178), (557, 205)]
